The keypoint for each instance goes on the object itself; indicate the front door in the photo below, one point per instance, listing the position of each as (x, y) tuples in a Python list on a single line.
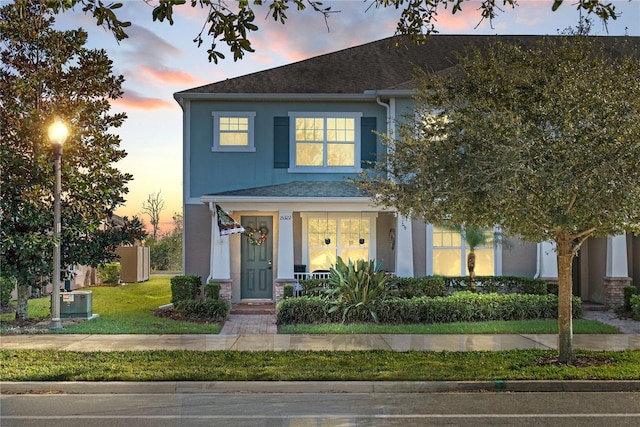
[(256, 281)]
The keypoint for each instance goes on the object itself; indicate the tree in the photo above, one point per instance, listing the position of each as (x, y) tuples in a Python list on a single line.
[(47, 73), (542, 139), (152, 207), (231, 22), (166, 254)]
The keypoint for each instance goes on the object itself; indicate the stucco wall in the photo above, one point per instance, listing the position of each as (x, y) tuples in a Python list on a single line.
[(384, 253), (519, 258), (197, 232)]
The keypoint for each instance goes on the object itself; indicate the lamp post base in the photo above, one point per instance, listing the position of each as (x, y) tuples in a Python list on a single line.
[(55, 324)]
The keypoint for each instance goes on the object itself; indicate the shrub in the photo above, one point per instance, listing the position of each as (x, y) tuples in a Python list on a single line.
[(409, 287), (287, 291), (552, 288), (210, 309), (354, 285), (109, 273), (458, 307), (635, 306), (7, 285), (629, 291), (212, 290), (314, 286), (498, 284), (185, 288)]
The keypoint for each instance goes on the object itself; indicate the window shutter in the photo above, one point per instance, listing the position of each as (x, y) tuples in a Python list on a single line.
[(368, 141), (281, 142)]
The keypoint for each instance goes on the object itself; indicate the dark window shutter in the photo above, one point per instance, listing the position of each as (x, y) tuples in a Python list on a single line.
[(281, 142), (368, 141)]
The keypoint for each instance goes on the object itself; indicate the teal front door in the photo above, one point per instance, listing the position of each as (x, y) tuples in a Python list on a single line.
[(256, 281)]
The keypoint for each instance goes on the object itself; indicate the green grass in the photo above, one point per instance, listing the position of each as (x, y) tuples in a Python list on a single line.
[(124, 310), (378, 365), (547, 326)]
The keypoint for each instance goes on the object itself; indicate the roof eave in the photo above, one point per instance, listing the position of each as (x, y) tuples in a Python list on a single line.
[(369, 95)]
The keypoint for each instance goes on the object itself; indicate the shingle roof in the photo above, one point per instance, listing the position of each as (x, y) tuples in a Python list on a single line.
[(379, 65), (298, 189)]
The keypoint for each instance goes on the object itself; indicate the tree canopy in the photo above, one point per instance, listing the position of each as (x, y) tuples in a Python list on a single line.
[(231, 22), (46, 74), (543, 140)]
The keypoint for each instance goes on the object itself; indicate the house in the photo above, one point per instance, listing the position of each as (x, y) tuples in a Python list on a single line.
[(274, 150)]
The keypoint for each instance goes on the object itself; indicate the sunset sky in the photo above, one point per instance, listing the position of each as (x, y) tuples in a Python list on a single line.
[(158, 60)]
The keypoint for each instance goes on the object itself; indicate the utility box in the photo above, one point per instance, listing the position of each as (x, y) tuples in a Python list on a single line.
[(134, 263), (76, 305)]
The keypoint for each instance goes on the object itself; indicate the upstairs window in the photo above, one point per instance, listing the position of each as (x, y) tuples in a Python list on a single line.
[(325, 142), (233, 131)]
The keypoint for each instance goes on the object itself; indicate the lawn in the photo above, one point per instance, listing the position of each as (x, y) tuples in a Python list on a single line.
[(374, 365), (126, 309), (543, 326)]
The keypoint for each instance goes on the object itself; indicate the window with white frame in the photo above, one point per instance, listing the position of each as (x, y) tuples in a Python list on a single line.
[(233, 131), (325, 142), (449, 253), (328, 236)]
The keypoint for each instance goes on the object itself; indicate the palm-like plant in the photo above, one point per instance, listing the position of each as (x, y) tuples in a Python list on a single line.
[(355, 285)]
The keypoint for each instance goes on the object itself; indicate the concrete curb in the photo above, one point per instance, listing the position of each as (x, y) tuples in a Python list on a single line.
[(194, 387)]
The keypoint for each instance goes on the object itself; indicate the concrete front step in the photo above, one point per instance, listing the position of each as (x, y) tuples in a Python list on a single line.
[(253, 308)]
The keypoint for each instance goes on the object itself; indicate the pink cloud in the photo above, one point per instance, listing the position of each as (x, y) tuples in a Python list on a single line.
[(171, 76), (137, 101)]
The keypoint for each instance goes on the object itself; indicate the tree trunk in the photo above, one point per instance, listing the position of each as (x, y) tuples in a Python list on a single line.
[(22, 301), (471, 265), (565, 296)]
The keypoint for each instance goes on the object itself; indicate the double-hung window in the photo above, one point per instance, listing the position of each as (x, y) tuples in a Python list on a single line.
[(325, 142), (233, 131), (449, 252)]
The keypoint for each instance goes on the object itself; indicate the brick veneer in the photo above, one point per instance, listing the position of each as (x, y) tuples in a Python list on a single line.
[(613, 291)]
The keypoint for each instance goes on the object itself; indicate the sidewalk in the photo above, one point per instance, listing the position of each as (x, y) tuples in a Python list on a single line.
[(277, 342)]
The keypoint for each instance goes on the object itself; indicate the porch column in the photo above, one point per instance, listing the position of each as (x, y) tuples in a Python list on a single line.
[(285, 253), (547, 261), (285, 245), (617, 271), (404, 247), (219, 263)]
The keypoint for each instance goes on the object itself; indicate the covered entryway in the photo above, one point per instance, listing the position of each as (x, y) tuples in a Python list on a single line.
[(256, 275)]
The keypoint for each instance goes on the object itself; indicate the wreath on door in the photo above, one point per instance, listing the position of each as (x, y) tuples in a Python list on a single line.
[(256, 236)]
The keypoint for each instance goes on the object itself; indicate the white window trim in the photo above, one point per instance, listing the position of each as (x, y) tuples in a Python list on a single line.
[(371, 238), (249, 148), (324, 169)]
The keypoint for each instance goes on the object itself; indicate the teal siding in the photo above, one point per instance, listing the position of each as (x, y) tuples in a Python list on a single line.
[(368, 141), (280, 142), (214, 172)]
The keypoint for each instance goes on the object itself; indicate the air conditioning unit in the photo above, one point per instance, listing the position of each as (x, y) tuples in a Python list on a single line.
[(76, 305)]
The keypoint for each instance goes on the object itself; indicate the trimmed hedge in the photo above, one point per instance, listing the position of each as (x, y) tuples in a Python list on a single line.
[(629, 291), (458, 307), (498, 284), (185, 288), (409, 287), (210, 309), (635, 306), (212, 290)]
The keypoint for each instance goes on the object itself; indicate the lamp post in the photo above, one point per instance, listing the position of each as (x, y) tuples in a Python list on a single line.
[(57, 135)]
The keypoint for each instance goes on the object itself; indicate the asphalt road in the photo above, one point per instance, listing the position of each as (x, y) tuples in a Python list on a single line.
[(322, 409)]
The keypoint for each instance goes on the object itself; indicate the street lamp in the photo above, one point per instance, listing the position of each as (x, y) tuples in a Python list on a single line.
[(57, 135)]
